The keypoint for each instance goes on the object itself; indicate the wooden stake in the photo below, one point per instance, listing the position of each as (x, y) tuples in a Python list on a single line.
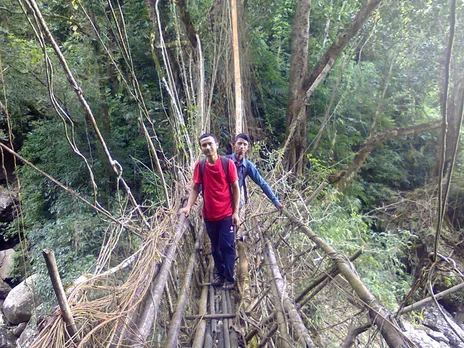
[(50, 261)]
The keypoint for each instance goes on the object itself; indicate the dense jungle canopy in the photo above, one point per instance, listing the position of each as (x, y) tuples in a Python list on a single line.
[(355, 111)]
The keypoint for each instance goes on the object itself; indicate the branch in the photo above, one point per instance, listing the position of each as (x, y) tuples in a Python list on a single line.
[(340, 43), (353, 332), (422, 303), (3, 8), (98, 209), (372, 141)]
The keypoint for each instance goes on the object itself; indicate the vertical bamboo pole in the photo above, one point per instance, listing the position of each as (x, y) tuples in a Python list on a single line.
[(237, 75), (49, 257)]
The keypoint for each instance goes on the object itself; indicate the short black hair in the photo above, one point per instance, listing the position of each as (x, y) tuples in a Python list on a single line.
[(206, 135), (243, 136)]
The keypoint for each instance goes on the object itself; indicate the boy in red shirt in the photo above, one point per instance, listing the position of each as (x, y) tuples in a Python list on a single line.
[(221, 196)]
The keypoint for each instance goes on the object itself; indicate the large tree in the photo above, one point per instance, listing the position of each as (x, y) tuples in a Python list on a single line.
[(303, 82)]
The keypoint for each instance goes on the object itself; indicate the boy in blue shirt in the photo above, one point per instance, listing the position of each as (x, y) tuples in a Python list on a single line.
[(246, 168)]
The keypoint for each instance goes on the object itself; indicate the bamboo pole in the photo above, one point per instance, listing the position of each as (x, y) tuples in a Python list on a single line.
[(208, 340), (225, 327), (232, 333), (200, 332), (150, 309), (243, 277), (423, 302), (317, 285), (211, 316), (52, 267), (304, 338), (212, 301), (174, 327), (284, 340), (378, 314)]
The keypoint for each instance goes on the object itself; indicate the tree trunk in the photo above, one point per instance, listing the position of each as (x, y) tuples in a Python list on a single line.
[(237, 75), (302, 84), (298, 71)]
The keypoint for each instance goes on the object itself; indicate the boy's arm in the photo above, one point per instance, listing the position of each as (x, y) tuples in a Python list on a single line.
[(258, 179), (191, 200)]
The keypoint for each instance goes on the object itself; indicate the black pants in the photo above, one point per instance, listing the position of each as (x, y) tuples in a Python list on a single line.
[(222, 236)]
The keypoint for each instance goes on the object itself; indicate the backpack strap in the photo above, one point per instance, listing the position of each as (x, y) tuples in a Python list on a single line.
[(245, 172), (202, 169), (225, 166)]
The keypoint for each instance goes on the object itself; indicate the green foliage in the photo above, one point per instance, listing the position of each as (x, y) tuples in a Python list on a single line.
[(337, 219), (47, 148), (75, 239), (383, 268)]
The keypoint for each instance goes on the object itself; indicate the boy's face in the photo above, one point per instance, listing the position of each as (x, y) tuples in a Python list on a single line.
[(208, 146), (240, 147)]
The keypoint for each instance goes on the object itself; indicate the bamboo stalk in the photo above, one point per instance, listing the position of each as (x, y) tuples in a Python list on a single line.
[(295, 320), (200, 338), (423, 302), (212, 310), (211, 316), (281, 322), (150, 308), (225, 327), (208, 340), (237, 72), (243, 278), (317, 285), (232, 333), (52, 267), (378, 314), (176, 319)]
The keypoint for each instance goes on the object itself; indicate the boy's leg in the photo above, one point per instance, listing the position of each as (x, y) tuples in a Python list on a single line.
[(227, 247), (212, 227)]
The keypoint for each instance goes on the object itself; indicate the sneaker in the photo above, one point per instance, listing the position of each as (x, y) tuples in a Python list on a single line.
[(229, 285), (217, 281)]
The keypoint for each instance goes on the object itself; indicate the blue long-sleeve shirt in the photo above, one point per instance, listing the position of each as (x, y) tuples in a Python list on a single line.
[(253, 173)]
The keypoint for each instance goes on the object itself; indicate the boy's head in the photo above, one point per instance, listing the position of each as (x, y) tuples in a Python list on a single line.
[(206, 135), (208, 144), (241, 143)]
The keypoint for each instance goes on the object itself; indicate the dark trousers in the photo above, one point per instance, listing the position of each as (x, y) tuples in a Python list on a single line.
[(222, 236)]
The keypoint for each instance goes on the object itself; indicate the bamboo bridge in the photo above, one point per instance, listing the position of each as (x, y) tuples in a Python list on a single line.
[(292, 290)]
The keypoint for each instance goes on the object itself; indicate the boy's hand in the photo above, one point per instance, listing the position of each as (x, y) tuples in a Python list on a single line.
[(185, 210), (235, 219)]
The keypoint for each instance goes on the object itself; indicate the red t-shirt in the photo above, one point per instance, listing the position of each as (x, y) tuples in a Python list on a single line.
[(217, 196)]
